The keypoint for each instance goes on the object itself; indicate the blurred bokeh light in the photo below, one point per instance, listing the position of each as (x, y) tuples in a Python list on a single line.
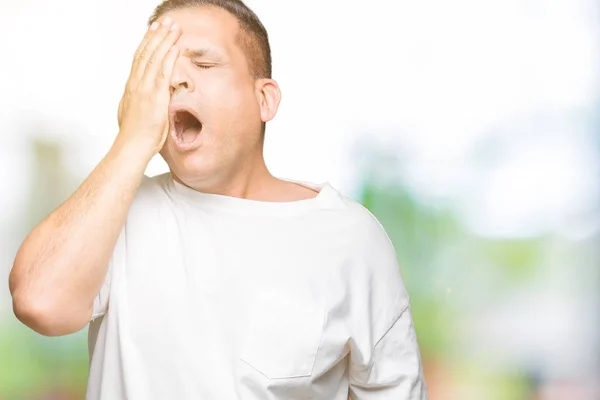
[(471, 129)]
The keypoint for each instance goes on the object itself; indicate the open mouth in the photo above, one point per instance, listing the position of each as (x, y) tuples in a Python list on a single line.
[(186, 126)]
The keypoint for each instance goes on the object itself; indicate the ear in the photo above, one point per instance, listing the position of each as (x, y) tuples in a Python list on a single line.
[(269, 97)]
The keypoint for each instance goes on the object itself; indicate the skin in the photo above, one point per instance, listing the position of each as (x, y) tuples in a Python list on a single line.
[(62, 264), (232, 107)]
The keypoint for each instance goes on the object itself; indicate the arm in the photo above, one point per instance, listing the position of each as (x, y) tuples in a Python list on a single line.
[(385, 361), (61, 265), (396, 371)]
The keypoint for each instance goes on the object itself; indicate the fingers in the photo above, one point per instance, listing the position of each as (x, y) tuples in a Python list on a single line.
[(163, 80), (140, 53), (155, 68), (146, 53)]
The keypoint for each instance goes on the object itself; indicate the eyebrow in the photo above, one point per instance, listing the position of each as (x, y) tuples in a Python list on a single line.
[(199, 53)]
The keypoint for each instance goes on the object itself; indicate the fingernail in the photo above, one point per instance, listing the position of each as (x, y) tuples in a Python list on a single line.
[(174, 27), (154, 26)]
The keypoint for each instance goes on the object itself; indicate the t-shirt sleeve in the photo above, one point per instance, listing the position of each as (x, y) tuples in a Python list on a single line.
[(101, 301), (395, 370), (385, 361)]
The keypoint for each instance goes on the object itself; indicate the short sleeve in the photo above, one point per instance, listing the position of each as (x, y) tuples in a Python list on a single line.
[(102, 298), (385, 361), (396, 371)]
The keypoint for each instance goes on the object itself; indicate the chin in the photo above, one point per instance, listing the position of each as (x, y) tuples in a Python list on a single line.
[(190, 167)]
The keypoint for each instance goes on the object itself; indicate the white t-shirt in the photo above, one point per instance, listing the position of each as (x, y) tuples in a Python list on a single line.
[(210, 297)]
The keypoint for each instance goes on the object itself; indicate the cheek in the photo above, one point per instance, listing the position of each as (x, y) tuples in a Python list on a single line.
[(226, 91)]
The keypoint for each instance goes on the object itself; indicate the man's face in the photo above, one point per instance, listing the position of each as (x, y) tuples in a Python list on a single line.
[(214, 115)]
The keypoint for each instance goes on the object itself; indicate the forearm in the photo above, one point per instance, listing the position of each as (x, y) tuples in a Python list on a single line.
[(62, 264)]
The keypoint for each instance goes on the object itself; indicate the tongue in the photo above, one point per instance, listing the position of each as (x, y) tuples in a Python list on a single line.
[(189, 135)]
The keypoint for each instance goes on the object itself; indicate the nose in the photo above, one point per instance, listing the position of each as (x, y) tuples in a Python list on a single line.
[(180, 79)]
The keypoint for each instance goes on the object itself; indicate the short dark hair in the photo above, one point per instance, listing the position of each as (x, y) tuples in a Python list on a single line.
[(252, 38)]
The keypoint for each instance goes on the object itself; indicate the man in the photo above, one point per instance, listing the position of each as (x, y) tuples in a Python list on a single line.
[(216, 280)]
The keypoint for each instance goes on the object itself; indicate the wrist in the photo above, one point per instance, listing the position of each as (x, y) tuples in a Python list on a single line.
[(133, 153)]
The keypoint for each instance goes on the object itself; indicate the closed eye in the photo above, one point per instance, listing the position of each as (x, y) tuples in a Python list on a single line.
[(203, 66)]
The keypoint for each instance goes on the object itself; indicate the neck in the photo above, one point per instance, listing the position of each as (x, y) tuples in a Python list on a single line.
[(251, 180)]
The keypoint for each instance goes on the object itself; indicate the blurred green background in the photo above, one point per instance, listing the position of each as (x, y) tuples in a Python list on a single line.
[(476, 144)]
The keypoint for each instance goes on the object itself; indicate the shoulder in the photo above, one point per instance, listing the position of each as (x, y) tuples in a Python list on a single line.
[(372, 250), (361, 229), (375, 269), (153, 187), (371, 240), (152, 193), (363, 226), (366, 239)]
